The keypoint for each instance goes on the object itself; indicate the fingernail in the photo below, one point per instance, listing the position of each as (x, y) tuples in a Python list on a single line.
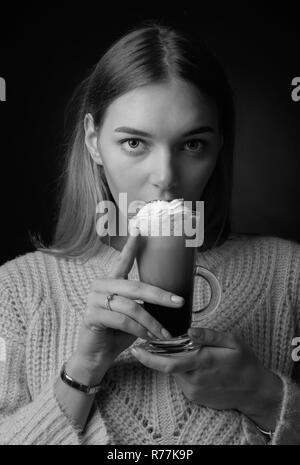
[(134, 352), (152, 336), (166, 334), (177, 299)]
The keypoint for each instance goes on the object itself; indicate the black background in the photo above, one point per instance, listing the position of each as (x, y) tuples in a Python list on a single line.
[(45, 53)]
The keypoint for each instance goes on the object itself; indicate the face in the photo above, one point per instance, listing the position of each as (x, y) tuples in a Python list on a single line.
[(159, 142)]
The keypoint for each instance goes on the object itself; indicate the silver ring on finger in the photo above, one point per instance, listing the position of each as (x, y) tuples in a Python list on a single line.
[(109, 297)]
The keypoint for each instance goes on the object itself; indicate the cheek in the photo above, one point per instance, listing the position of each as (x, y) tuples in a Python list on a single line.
[(124, 179), (116, 172), (196, 176)]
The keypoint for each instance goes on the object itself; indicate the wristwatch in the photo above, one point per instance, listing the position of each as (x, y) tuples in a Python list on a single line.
[(76, 385)]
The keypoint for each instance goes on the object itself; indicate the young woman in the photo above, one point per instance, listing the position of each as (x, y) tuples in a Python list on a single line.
[(155, 121)]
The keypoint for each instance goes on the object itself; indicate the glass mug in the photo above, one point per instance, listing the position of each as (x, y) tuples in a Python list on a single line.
[(166, 262)]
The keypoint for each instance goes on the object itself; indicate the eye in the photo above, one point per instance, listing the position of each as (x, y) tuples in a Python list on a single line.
[(133, 144), (195, 145)]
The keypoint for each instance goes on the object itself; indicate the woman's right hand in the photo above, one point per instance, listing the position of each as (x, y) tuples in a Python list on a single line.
[(104, 334)]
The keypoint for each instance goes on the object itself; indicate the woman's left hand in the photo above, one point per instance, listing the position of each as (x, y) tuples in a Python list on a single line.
[(223, 374)]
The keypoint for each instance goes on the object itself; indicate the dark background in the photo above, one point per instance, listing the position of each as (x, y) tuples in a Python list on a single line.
[(44, 54)]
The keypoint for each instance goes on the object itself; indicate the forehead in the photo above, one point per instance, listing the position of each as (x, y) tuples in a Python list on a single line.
[(173, 104)]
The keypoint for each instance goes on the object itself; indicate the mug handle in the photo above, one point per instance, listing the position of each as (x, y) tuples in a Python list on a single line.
[(215, 289)]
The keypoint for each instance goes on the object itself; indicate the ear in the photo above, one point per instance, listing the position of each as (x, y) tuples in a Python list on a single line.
[(91, 138)]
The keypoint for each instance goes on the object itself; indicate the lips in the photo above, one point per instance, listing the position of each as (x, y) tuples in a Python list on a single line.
[(163, 199)]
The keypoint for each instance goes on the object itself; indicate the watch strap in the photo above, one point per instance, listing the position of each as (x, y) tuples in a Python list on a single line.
[(76, 385)]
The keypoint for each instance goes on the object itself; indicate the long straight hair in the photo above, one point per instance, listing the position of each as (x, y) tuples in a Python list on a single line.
[(152, 53)]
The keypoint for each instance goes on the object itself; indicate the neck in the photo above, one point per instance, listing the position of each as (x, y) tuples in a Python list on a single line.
[(117, 242)]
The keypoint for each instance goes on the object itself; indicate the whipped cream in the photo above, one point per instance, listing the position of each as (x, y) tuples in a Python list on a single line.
[(161, 218)]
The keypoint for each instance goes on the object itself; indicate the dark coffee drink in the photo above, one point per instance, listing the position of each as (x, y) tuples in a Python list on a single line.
[(167, 263)]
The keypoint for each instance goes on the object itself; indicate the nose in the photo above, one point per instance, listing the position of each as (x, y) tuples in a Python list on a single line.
[(163, 174)]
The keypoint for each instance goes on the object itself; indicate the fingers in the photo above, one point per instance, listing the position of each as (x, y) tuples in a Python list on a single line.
[(127, 256), (203, 359), (95, 321), (137, 290), (168, 364), (210, 337), (133, 310), (118, 282)]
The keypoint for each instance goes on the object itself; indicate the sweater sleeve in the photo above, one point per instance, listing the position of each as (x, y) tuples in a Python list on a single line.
[(295, 284), (287, 431), (24, 420), (288, 426)]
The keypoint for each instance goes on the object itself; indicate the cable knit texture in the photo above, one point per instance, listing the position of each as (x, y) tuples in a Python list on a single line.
[(42, 300)]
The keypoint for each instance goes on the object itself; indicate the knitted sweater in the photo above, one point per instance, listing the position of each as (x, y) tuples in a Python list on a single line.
[(42, 300)]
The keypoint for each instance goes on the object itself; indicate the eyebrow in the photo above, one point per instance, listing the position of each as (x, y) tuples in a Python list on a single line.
[(138, 132)]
